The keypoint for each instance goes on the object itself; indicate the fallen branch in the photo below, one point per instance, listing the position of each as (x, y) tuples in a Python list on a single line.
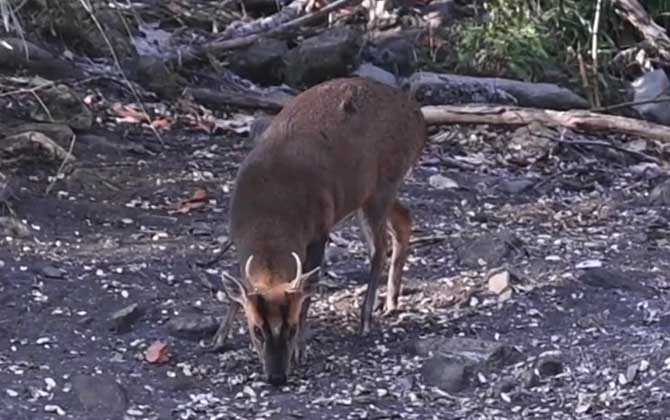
[(657, 100), (240, 29), (577, 120), (594, 143), (635, 13), (192, 53)]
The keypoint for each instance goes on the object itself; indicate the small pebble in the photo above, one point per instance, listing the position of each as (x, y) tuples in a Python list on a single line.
[(51, 383), (52, 408)]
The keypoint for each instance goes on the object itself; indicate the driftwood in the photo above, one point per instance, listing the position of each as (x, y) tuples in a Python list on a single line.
[(577, 120), (653, 33), (273, 25)]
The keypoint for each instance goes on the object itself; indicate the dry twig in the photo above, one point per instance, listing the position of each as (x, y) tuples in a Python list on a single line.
[(65, 161), (594, 54), (215, 47)]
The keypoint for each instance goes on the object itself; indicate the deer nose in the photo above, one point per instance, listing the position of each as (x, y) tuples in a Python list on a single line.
[(277, 379)]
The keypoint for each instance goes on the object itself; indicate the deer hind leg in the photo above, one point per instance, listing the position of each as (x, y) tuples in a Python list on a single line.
[(376, 213), (400, 227), (314, 258), (366, 232)]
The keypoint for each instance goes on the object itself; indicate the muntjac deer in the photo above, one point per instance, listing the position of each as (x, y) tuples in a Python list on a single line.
[(341, 147)]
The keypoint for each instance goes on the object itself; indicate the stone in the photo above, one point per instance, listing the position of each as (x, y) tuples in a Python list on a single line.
[(660, 194), (442, 182), (193, 326), (586, 264), (152, 73), (331, 54), (454, 361), (499, 282), (60, 133), (394, 53), (445, 373), (64, 107), (477, 351), (378, 74), (646, 171), (122, 320), (490, 250), (101, 396), (648, 87), (261, 62), (52, 272)]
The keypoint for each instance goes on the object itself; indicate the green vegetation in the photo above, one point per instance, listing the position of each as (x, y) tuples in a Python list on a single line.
[(526, 39)]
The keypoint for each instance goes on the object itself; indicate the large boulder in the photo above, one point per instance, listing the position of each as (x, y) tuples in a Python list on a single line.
[(649, 87), (331, 54), (261, 62)]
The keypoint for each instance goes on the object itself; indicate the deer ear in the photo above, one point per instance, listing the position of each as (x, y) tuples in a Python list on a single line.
[(234, 289)]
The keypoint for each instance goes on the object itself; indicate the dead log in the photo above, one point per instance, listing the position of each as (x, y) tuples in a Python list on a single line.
[(451, 89), (636, 15), (17, 54), (219, 99), (273, 25), (578, 120)]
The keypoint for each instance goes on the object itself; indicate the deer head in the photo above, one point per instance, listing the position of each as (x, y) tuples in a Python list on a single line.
[(273, 315)]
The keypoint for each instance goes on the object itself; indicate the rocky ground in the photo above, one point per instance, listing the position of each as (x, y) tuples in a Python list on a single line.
[(536, 288)]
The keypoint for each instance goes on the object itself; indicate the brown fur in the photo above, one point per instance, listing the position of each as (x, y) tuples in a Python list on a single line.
[(340, 147)]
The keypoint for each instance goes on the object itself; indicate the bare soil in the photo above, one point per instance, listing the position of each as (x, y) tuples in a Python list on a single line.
[(104, 240)]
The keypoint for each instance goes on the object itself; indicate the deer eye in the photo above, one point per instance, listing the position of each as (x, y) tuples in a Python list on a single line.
[(259, 334)]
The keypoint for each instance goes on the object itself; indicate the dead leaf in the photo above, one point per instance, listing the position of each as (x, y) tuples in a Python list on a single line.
[(197, 200), (90, 99), (162, 123), (157, 353), (200, 194), (128, 114)]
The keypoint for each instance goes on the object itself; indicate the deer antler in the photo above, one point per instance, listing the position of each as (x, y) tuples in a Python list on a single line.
[(298, 271), (247, 266)]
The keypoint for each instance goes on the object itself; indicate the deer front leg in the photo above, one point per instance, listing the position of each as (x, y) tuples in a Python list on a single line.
[(219, 340)]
